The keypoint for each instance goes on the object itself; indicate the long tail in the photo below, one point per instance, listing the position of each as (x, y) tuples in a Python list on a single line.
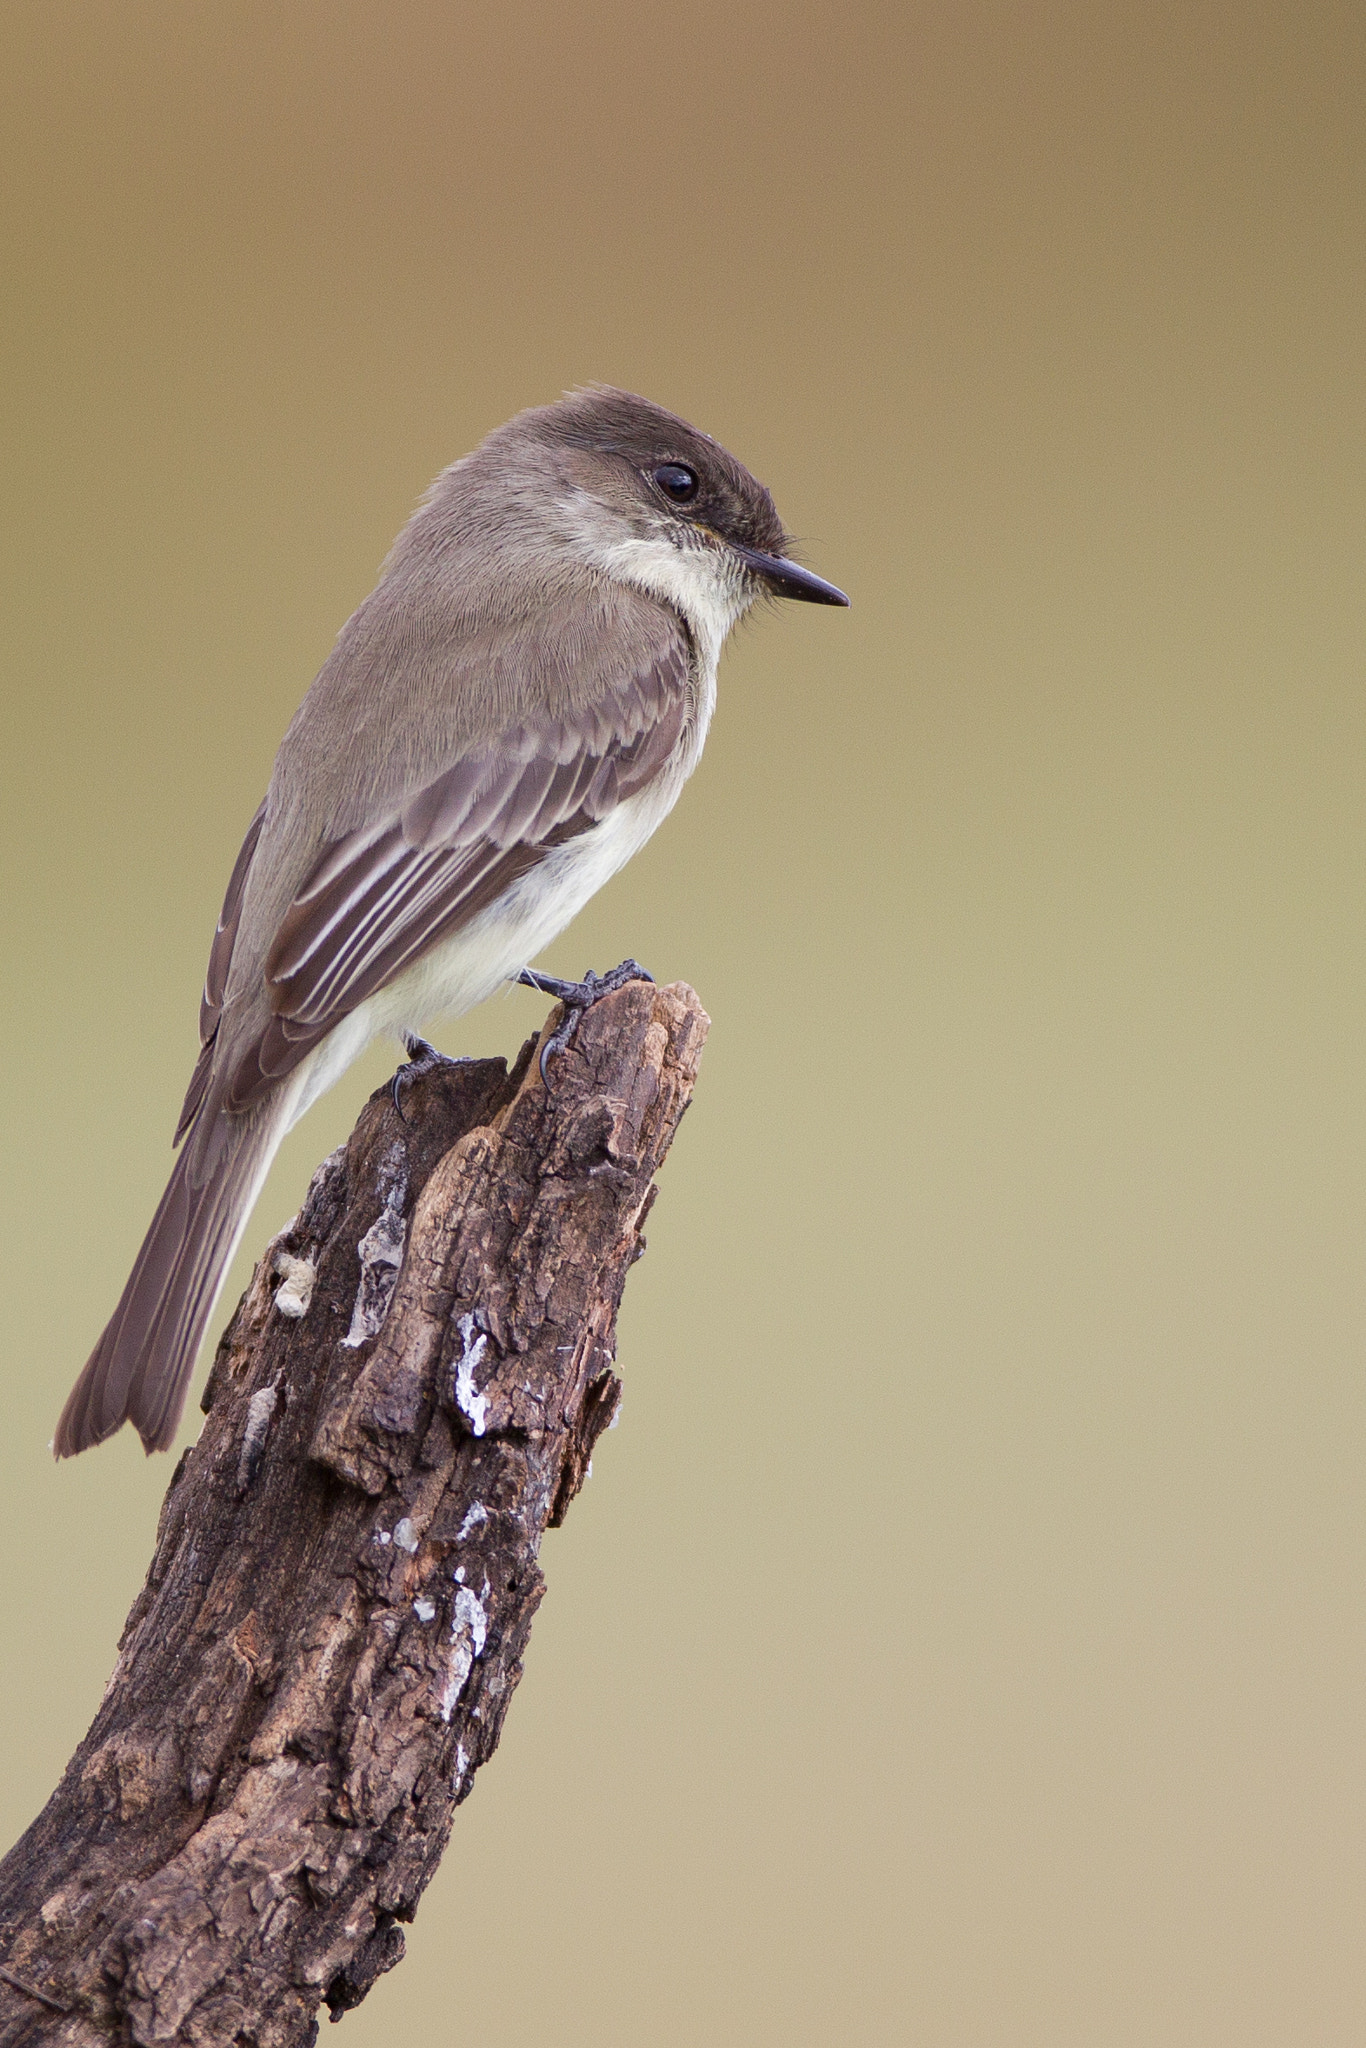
[(139, 1370)]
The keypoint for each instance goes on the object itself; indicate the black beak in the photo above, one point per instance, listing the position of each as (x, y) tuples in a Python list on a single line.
[(789, 579)]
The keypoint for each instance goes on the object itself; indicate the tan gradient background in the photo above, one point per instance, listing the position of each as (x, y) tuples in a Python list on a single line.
[(962, 1642)]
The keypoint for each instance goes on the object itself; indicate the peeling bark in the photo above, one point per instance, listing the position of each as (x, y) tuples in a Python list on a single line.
[(346, 1567)]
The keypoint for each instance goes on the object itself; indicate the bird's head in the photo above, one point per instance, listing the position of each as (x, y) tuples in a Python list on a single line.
[(634, 493)]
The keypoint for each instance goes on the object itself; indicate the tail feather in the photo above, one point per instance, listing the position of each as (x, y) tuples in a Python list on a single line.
[(139, 1370)]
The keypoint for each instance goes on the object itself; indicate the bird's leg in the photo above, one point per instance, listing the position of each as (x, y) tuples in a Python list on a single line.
[(577, 996), (423, 1059)]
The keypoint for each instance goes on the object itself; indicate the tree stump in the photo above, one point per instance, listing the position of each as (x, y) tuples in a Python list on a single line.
[(346, 1565)]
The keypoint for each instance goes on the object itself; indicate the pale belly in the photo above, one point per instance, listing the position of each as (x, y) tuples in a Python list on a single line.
[(461, 971)]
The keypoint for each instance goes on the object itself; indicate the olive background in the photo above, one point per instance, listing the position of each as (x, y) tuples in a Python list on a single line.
[(961, 1643)]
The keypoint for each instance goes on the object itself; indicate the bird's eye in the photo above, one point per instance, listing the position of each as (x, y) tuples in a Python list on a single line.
[(677, 481)]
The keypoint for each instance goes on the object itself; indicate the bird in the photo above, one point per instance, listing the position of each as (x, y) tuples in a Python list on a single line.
[(500, 725)]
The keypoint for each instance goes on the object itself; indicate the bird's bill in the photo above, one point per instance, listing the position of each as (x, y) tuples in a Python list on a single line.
[(790, 579)]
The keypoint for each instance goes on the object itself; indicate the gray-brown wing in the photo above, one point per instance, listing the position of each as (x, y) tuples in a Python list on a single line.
[(377, 899), (216, 977)]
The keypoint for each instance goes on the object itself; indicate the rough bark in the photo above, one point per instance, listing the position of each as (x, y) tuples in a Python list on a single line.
[(346, 1566)]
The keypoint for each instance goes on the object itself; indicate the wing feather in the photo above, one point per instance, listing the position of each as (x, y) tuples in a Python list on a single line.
[(229, 917), (216, 975)]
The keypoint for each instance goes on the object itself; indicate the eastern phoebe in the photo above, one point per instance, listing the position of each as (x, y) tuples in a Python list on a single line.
[(503, 722)]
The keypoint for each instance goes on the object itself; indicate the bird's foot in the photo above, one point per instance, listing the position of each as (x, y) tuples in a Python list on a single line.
[(423, 1059), (577, 996)]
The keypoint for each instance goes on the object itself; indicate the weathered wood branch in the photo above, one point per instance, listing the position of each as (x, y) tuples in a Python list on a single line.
[(346, 1567)]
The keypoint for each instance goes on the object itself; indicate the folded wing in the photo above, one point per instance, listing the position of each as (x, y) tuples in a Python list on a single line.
[(376, 899)]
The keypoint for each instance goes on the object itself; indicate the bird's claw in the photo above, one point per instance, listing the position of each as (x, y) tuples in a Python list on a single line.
[(577, 996), (423, 1059)]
